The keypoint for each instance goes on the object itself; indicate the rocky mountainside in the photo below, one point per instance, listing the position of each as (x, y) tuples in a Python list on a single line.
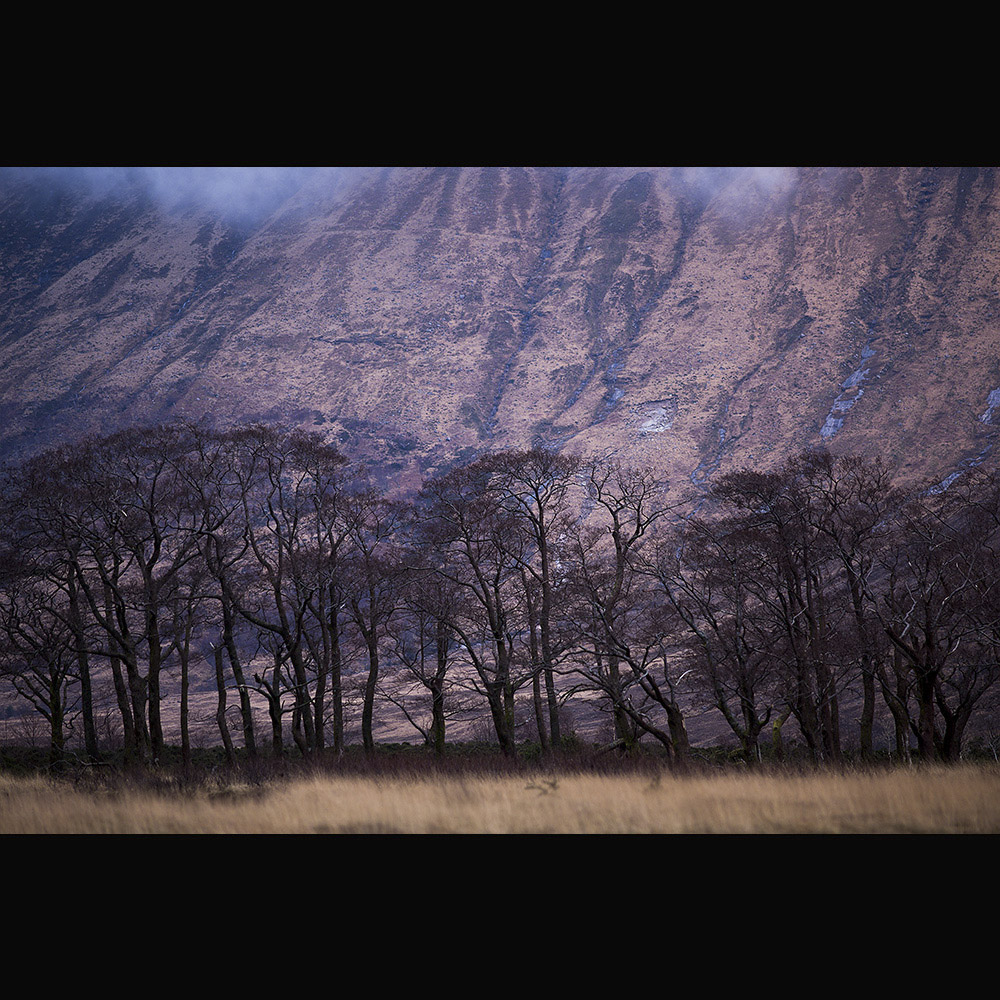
[(693, 320)]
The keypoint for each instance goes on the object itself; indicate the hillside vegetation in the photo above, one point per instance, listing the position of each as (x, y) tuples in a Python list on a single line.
[(689, 321)]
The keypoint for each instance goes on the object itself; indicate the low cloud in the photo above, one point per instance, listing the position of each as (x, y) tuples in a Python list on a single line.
[(735, 187), (250, 193), (234, 193), (227, 191)]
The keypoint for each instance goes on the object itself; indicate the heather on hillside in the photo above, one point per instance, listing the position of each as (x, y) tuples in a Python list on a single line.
[(514, 583), (693, 319)]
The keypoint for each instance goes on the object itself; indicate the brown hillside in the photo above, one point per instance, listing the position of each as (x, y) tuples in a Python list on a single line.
[(694, 320)]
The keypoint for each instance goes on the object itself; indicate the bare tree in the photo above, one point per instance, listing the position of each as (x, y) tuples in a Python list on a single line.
[(423, 641), (286, 478), (796, 590), (703, 571), (476, 538), (376, 568), (849, 501), (36, 649), (121, 511), (614, 610), (37, 518), (939, 609), (539, 488)]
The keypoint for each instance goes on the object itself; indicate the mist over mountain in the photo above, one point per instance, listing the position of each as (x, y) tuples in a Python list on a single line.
[(693, 320)]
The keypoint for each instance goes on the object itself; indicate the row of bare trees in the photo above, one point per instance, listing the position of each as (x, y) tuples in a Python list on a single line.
[(523, 579)]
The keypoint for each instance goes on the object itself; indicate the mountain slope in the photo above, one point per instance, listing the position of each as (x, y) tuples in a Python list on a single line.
[(692, 320)]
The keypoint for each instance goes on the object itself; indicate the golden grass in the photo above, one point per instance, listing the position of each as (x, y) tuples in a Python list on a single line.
[(962, 799)]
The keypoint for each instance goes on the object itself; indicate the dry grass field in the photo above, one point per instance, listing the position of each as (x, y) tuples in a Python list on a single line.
[(921, 800)]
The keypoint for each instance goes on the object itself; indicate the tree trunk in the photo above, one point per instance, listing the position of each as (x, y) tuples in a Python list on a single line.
[(534, 633), (220, 711), (895, 700), (246, 708), (336, 684), (926, 744), (277, 737), (272, 692), (678, 732), (625, 734), (128, 724), (137, 693), (437, 716), (368, 710), (806, 714), (501, 720), (153, 685), (301, 742), (867, 721), (777, 744), (546, 637), (130, 700), (83, 667), (536, 701), (184, 654), (57, 738)]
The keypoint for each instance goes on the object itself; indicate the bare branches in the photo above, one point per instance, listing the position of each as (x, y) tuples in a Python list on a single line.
[(523, 577)]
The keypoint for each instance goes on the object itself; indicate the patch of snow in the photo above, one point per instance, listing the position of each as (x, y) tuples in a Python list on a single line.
[(850, 393), (658, 419), (992, 402)]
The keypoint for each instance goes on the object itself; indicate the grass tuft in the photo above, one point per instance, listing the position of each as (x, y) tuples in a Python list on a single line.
[(480, 800)]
